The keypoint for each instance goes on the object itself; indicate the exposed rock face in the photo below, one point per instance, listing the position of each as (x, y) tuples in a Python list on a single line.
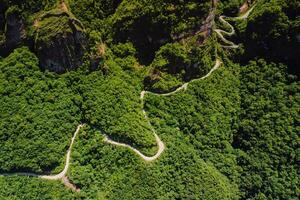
[(2, 17), (15, 30), (205, 28), (62, 54), (57, 38), (2, 28), (60, 43), (14, 35)]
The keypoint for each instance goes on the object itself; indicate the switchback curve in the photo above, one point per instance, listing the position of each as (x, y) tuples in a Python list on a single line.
[(218, 62), (221, 33), (161, 146), (62, 175)]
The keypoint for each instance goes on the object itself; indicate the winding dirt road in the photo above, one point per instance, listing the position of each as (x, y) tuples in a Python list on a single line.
[(67, 163), (221, 33), (161, 146), (62, 175), (57, 176), (185, 86)]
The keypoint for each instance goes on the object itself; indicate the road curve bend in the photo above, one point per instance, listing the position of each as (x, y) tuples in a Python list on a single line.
[(221, 32), (63, 173), (59, 176), (160, 144), (218, 63)]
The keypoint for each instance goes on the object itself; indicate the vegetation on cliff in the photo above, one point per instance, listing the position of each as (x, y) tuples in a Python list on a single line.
[(233, 135)]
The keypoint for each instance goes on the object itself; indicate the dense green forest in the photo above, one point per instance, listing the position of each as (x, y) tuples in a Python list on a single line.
[(38, 114), (232, 135)]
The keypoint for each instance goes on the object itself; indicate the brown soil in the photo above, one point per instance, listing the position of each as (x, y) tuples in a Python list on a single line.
[(69, 184)]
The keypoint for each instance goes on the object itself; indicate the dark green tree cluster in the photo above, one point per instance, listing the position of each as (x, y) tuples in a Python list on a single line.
[(206, 114), (268, 132), (273, 32), (146, 24), (246, 124), (170, 60), (38, 115), (111, 103), (33, 188), (29, 6), (176, 63), (110, 172), (151, 24), (229, 7), (233, 135), (91, 11)]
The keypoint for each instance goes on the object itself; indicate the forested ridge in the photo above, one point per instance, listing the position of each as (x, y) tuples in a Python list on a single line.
[(130, 69)]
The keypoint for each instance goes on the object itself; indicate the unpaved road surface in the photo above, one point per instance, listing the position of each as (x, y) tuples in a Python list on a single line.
[(161, 146), (221, 33)]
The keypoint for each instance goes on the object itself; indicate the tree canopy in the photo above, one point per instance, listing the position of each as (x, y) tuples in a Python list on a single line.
[(232, 135)]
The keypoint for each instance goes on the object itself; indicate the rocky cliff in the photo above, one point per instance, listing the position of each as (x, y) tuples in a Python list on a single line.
[(56, 37), (60, 42), (13, 29)]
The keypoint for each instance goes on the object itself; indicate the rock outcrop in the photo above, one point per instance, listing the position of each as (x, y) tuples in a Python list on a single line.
[(60, 42), (15, 32), (2, 17), (56, 36)]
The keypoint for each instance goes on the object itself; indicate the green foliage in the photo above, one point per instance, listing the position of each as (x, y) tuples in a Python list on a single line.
[(150, 24), (125, 56), (172, 14), (168, 66), (233, 135), (206, 114), (275, 40), (52, 27), (177, 63), (32, 188), (117, 173), (112, 104), (37, 115), (31, 6), (165, 82), (53, 24), (124, 50), (268, 132), (229, 7), (90, 11), (13, 10), (171, 58)]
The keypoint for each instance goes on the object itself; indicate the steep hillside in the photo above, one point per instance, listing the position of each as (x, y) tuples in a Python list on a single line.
[(149, 99)]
